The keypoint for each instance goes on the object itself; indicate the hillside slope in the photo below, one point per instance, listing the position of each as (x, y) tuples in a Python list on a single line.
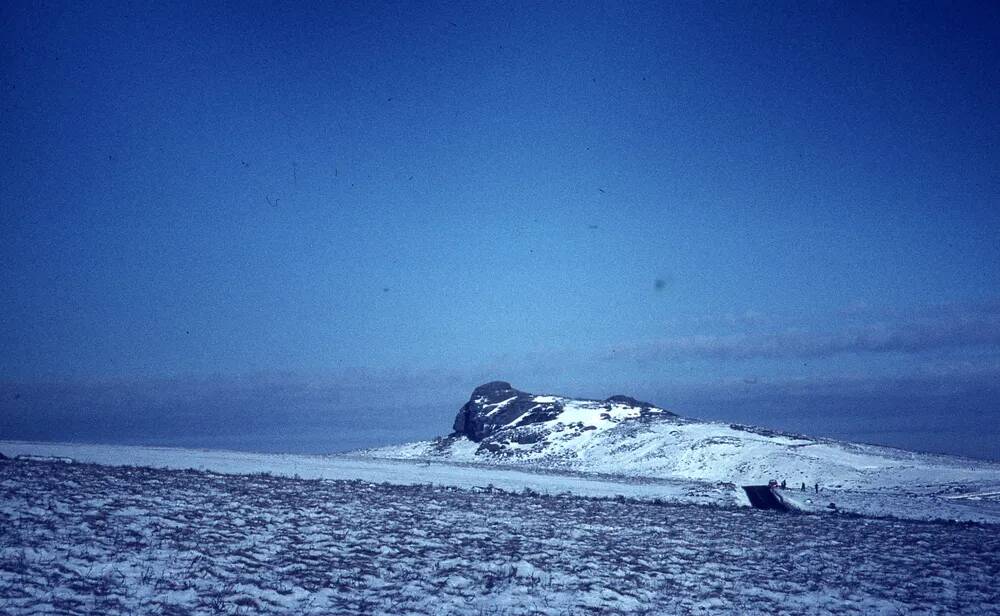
[(623, 436)]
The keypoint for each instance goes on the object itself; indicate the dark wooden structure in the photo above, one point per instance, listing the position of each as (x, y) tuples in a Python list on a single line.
[(766, 497)]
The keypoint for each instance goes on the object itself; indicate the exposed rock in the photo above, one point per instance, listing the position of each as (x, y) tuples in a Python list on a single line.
[(497, 405), (628, 400), (767, 431), (507, 421)]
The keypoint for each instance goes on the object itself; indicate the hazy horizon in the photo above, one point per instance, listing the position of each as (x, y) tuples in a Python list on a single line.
[(294, 415)]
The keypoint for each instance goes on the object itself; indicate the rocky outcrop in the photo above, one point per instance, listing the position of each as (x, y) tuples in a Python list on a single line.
[(497, 407), (629, 401)]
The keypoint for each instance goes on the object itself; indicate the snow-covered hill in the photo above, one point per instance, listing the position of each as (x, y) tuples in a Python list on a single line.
[(623, 436)]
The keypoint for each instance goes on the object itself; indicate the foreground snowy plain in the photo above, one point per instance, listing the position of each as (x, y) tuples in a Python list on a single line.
[(81, 538), (403, 472), (940, 496)]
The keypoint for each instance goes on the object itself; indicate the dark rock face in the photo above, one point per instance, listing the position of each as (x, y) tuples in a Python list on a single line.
[(630, 401), (512, 424), (496, 405), (499, 411), (769, 432)]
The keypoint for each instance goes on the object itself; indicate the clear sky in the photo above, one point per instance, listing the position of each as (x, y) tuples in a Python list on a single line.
[(270, 226)]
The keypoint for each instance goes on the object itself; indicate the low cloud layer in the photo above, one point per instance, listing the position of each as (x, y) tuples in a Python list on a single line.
[(350, 409), (944, 402), (950, 411), (954, 411), (971, 330)]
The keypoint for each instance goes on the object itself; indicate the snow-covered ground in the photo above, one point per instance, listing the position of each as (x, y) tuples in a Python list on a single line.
[(558, 506), (934, 497), (90, 539), (401, 472), (697, 450), (622, 437)]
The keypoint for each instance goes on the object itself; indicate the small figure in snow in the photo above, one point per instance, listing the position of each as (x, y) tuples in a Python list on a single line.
[(803, 486), (817, 487), (783, 484)]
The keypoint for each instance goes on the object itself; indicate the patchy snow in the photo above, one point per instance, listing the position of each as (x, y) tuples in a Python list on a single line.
[(89, 539), (496, 408), (546, 399), (402, 472), (920, 486)]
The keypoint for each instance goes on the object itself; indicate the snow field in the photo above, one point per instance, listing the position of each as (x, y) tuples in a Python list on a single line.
[(934, 499), (88, 539)]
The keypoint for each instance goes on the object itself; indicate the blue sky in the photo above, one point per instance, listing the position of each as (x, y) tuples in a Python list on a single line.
[(340, 219)]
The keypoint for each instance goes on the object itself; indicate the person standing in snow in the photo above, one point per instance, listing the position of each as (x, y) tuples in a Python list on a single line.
[(803, 486), (817, 487), (783, 484)]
